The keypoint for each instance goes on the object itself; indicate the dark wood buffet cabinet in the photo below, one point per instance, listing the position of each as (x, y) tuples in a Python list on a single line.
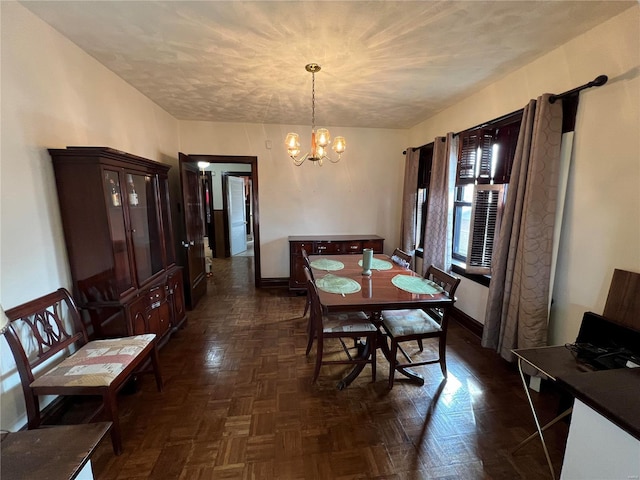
[(325, 245), (117, 225)]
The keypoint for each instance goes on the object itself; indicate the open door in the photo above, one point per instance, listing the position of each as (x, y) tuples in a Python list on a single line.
[(193, 241), (237, 215), (254, 216)]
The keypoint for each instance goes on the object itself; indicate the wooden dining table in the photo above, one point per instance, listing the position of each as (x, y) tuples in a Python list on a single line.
[(377, 292)]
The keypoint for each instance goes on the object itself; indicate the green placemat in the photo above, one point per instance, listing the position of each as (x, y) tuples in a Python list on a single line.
[(335, 284), (416, 285), (328, 265), (377, 264)]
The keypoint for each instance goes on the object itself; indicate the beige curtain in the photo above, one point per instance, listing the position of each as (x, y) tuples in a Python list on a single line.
[(517, 305), (409, 199), (439, 225)]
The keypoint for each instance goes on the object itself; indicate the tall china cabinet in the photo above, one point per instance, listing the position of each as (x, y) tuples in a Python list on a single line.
[(117, 225)]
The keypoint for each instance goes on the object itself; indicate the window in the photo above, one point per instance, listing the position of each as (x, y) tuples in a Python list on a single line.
[(424, 177), (485, 158)]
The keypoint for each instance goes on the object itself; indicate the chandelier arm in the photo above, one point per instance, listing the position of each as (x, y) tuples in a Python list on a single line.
[(297, 162)]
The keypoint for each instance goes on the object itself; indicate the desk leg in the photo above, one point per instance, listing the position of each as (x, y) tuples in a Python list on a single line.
[(535, 418), (536, 434)]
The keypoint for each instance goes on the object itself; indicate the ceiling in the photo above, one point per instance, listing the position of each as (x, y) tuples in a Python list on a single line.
[(384, 64)]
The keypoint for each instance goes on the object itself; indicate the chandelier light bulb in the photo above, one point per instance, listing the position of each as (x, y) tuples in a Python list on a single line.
[(339, 145), (322, 137)]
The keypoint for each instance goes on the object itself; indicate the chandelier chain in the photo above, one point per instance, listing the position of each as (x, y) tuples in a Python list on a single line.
[(313, 101)]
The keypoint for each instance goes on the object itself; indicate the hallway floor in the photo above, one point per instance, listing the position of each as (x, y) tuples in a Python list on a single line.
[(238, 404)]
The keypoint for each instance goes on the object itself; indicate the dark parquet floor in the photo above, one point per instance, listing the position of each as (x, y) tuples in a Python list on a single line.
[(238, 404)]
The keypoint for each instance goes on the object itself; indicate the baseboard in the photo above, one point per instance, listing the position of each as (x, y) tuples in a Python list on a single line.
[(467, 322), (274, 282)]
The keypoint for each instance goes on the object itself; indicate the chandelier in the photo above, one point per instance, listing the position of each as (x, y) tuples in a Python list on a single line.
[(320, 138)]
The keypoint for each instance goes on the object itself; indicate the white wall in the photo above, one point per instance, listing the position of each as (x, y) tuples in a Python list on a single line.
[(54, 95), (601, 226), (359, 195)]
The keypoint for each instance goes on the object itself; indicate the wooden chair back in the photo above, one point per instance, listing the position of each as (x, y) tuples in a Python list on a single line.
[(315, 312), (402, 258), (307, 262), (446, 281), (45, 320), (449, 284)]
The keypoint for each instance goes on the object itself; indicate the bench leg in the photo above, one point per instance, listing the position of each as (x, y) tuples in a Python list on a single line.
[(111, 411)]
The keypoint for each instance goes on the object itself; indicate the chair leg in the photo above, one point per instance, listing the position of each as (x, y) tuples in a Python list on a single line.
[(307, 305), (319, 347), (373, 357), (393, 361), (311, 331), (155, 363), (443, 355), (420, 344), (33, 411), (110, 401)]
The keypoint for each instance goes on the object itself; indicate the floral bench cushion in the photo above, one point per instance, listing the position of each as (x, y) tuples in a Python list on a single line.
[(96, 364)]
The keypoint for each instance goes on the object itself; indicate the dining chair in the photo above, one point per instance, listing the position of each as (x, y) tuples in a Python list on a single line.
[(418, 324), (401, 258), (354, 325), (54, 356)]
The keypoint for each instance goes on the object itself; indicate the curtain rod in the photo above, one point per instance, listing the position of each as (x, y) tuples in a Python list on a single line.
[(596, 82), (413, 149)]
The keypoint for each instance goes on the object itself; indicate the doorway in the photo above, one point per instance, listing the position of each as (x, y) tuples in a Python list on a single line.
[(237, 209), (240, 166)]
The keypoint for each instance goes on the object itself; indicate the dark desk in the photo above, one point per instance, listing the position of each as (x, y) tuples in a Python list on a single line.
[(377, 293), (612, 393), (51, 453)]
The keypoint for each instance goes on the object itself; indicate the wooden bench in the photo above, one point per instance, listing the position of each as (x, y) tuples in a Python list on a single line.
[(53, 356)]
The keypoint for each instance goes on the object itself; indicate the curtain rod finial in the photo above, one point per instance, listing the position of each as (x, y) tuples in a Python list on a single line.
[(600, 80)]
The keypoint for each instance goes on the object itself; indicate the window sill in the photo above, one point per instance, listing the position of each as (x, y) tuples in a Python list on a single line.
[(459, 268)]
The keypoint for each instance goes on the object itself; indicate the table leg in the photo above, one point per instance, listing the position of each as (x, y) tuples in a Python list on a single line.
[(364, 350), (535, 418)]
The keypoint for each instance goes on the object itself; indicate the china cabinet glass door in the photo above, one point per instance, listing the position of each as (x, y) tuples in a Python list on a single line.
[(145, 228), (110, 284), (166, 221)]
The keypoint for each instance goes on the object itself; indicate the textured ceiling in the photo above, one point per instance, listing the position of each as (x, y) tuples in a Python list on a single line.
[(384, 64)]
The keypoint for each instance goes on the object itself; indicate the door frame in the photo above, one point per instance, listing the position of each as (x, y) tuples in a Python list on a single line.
[(253, 161)]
